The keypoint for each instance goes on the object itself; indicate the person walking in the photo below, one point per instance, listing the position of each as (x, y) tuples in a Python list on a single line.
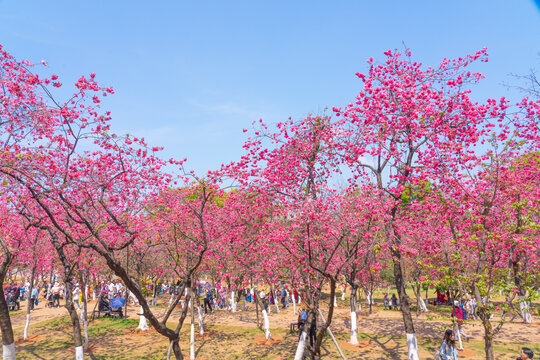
[(208, 301)]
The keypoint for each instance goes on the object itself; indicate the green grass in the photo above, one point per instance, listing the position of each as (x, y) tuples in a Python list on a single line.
[(105, 326)]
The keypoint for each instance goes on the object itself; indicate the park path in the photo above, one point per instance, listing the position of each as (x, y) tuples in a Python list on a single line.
[(380, 323), (384, 323)]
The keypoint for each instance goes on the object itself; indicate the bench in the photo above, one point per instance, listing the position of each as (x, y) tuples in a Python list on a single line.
[(293, 327), (112, 313)]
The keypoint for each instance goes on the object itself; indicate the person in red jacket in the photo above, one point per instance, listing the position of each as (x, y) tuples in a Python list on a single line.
[(458, 316)]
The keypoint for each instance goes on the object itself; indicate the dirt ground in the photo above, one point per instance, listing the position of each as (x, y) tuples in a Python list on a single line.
[(236, 336)]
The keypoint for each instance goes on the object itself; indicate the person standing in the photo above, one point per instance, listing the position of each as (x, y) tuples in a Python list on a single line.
[(448, 349), (208, 301), (75, 298), (313, 331), (458, 317), (34, 293), (55, 290), (302, 319), (119, 288), (283, 298), (111, 290), (471, 303)]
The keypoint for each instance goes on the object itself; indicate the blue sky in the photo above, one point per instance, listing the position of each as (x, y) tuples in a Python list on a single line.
[(191, 75)]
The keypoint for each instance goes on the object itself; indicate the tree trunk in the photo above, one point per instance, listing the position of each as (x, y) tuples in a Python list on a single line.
[(84, 310), (143, 324), (524, 309), (274, 297), (174, 347), (79, 354), (302, 341), (488, 345), (322, 330), (484, 315), (420, 304), (300, 348), (266, 325), (265, 315), (233, 303), (370, 300), (201, 323), (354, 321), (154, 294), (412, 344), (68, 276), (192, 327), (257, 308), (29, 305), (8, 341)]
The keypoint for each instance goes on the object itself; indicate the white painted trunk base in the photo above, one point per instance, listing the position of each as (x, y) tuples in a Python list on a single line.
[(143, 325), (525, 313), (277, 305), (294, 304), (369, 299), (335, 301), (343, 296), (169, 351), (354, 329), (85, 325), (301, 346), (81, 318), (8, 352), (233, 304), (201, 326), (412, 347), (79, 353), (266, 325), (26, 326), (422, 304), (192, 343)]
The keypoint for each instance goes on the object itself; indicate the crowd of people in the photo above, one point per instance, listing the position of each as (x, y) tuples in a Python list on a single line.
[(220, 297)]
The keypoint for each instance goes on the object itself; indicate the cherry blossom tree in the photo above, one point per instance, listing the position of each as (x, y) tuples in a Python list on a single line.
[(403, 125)]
